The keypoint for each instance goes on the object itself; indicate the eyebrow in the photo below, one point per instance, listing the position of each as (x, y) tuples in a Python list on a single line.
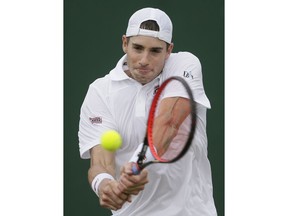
[(152, 48)]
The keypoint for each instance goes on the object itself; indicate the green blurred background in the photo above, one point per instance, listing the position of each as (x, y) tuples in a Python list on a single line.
[(92, 47)]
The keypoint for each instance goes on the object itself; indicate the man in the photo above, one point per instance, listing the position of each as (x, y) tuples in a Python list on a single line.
[(121, 101)]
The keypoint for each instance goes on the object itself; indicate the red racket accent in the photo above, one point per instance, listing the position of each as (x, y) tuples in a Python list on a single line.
[(151, 120), (148, 140)]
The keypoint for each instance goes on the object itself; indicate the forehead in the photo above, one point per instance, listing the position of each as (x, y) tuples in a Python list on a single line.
[(147, 41)]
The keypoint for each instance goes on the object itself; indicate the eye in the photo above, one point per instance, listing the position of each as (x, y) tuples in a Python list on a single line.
[(138, 48), (156, 50)]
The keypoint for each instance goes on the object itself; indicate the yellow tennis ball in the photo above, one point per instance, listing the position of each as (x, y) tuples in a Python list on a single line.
[(111, 140)]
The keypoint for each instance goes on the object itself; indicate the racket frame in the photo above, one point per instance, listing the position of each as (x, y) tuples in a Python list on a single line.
[(148, 140)]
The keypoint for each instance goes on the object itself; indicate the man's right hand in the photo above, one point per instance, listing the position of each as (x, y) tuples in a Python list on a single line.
[(130, 183)]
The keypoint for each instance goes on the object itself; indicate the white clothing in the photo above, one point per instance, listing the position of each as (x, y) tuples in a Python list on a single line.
[(121, 103)]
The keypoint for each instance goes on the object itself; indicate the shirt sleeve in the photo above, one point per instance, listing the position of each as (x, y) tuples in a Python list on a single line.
[(187, 66), (95, 118)]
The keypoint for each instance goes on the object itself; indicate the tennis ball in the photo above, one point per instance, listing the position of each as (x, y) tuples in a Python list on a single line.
[(111, 140)]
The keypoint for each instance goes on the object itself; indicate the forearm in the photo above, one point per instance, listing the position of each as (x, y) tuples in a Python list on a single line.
[(101, 177), (101, 161), (173, 111)]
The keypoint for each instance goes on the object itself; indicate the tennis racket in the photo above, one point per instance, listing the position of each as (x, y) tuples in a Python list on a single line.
[(169, 143)]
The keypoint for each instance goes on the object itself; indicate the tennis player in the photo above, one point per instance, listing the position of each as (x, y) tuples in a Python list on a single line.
[(121, 101)]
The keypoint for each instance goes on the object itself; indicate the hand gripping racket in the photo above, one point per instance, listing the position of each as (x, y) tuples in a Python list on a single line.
[(169, 143)]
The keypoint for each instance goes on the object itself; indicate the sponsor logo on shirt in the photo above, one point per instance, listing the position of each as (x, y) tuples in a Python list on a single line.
[(96, 120), (188, 74), (155, 89)]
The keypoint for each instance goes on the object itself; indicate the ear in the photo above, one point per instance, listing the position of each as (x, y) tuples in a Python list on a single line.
[(169, 50), (124, 43)]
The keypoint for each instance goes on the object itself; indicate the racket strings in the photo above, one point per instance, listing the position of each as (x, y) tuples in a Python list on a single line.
[(166, 127), (162, 136), (169, 127)]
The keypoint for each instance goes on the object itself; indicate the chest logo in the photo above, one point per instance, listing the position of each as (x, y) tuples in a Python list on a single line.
[(155, 89)]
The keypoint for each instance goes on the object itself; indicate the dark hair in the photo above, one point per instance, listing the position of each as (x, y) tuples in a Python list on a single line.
[(150, 25)]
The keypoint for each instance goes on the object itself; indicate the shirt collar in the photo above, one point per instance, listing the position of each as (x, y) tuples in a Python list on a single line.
[(118, 72)]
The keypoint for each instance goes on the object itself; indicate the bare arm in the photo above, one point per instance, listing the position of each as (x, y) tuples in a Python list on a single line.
[(110, 195), (172, 112), (102, 161)]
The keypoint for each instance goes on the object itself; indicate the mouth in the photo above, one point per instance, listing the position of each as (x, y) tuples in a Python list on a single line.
[(143, 70)]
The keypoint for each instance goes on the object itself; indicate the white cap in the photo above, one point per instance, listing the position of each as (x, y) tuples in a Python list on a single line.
[(162, 19)]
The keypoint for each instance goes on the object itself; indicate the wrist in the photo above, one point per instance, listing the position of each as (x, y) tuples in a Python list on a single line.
[(97, 181)]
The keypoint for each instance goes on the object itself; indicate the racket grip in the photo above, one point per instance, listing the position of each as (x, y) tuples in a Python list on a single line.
[(136, 169)]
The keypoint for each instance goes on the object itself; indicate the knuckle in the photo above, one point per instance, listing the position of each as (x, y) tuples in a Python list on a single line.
[(103, 203)]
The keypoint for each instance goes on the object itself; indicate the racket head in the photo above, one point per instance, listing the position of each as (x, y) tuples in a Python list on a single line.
[(165, 144)]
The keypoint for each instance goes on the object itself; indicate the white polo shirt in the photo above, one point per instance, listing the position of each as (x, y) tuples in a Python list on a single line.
[(118, 102)]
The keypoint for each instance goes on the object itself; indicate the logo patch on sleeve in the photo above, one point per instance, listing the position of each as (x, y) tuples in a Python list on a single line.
[(96, 120), (188, 74)]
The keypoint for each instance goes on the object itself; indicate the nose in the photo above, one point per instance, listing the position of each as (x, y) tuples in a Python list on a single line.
[(144, 60)]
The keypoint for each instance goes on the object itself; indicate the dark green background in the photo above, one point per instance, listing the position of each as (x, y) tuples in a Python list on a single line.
[(92, 47)]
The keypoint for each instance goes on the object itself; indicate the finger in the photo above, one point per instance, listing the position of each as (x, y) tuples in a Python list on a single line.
[(138, 179), (127, 181), (120, 193), (131, 188), (110, 197), (121, 186), (136, 191), (144, 174), (132, 181), (129, 198), (127, 168), (124, 196), (109, 202), (119, 196)]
